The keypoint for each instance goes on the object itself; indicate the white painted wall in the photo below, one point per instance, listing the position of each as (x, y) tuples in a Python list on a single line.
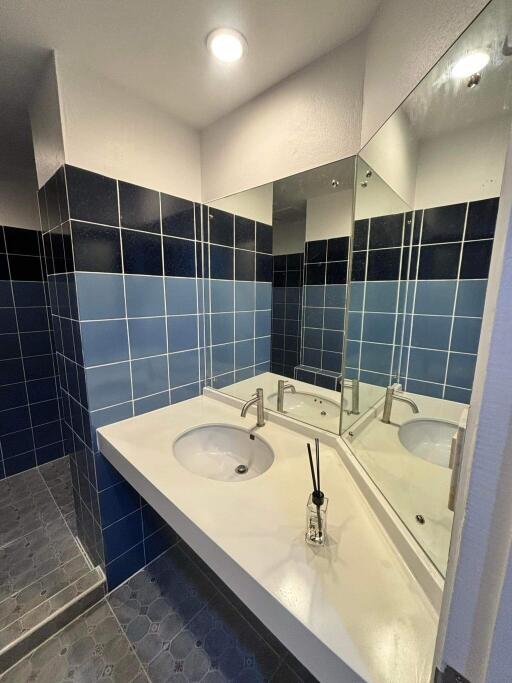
[(288, 236), (329, 215), (309, 119), (405, 39), (45, 121), (255, 204), (462, 165), (18, 200), (109, 130)]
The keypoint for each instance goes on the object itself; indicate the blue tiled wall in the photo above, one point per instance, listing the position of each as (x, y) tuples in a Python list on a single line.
[(146, 311), (30, 420), (287, 292), (417, 297)]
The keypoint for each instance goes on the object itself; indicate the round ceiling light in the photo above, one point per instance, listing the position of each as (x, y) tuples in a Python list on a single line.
[(470, 64), (226, 44)]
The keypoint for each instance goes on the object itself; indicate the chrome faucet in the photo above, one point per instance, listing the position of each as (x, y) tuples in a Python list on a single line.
[(388, 404), (283, 386), (258, 400), (354, 385)]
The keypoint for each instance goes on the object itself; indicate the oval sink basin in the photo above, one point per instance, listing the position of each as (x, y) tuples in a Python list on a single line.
[(429, 439), (305, 406), (223, 452)]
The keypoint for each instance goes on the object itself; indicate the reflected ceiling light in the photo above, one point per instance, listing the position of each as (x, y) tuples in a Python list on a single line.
[(470, 64), (226, 44)]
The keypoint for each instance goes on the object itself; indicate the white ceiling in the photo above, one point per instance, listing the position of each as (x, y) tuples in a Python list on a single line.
[(157, 49)]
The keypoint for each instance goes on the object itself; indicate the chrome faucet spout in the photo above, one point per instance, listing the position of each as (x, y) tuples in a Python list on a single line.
[(283, 386), (257, 400), (388, 404)]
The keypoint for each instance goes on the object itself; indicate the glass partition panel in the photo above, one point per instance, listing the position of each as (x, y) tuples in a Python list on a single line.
[(419, 273), (275, 310)]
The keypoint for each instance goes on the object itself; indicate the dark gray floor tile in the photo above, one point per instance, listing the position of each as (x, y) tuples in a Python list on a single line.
[(57, 475), (20, 486), (92, 648), (23, 516)]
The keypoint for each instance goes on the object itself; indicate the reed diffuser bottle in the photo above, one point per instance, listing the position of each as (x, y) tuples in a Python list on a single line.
[(316, 508)]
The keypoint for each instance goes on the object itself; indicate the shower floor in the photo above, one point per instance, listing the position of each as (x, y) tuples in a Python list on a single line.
[(44, 573)]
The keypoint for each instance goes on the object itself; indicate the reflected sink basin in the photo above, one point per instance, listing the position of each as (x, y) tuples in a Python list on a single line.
[(305, 406), (223, 452), (429, 439)]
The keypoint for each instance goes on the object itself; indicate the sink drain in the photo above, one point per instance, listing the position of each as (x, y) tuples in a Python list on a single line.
[(242, 469)]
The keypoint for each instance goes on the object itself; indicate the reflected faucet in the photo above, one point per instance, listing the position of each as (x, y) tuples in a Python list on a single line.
[(283, 386), (258, 400), (354, 385), (388, 404)]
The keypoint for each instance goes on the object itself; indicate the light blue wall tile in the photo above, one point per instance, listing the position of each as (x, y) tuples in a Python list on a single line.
[(245, 373), (261, 367), (222, 296), (376, 357), (244, 354), (471, 297), (222, 326), (263, 323), (379, 327), (355, 323), (185, 393), (353, 348), (144, 295), (147, 337), (223, 380), (461, 370), (108, 385), (314, 317), (333, 318), (149, 376), (100, 295), (381, 297), (431, 332), (262, 350), (312, 337), (181, 295), (183, 368), (424, 388), (458, 395), (222, 359), (466, 334), (145, 405), (182, 332), (356, 296), (429, 366), (244, 326), (245, 297), (104, 342), (264, 295), (335, 295), (376, 378), (314, 295), (435, 297)]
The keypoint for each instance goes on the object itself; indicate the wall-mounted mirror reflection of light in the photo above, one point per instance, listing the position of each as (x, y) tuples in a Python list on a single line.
[(286, 314), (420, 272)]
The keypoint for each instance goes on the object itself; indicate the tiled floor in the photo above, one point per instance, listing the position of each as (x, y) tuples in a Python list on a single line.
[(172, 621), (40, 560)]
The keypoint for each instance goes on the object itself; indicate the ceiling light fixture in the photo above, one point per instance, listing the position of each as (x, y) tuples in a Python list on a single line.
[(226, 44), (470, 64)]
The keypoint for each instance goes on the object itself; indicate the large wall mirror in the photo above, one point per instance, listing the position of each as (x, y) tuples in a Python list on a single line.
[(427, 195), (276, 303)]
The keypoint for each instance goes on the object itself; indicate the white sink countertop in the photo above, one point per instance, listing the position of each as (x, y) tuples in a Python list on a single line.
[(350, 611), (412, 485)]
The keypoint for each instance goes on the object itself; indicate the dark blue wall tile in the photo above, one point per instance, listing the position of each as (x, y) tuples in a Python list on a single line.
[(481, 221), (476, 260), (25, 268), (263, 238), (439, 262), (337, 249), (177, 217), (139, 207), (245, 233), (221, 227), (221, 262), (124, 566), (244, 265), (179, 257), (92, 197), (123, 535), (21, 242), (96, 248), (13, 396), (19, 463), (316, 251), (4, 268), (142, 253), (443, 224), (386, 231), (384, 264), (118, 501), (17, 443)]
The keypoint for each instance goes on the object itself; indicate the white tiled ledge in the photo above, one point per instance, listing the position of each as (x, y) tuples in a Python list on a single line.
[(351, 611)]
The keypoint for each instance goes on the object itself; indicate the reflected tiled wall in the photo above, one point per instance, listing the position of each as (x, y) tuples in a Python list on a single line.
[(131, 281), (30, 420), (287, 289), (238, 295), (420, 280)]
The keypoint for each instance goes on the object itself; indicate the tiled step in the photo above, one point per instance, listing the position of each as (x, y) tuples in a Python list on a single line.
[(38, 624), (43, 588)]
